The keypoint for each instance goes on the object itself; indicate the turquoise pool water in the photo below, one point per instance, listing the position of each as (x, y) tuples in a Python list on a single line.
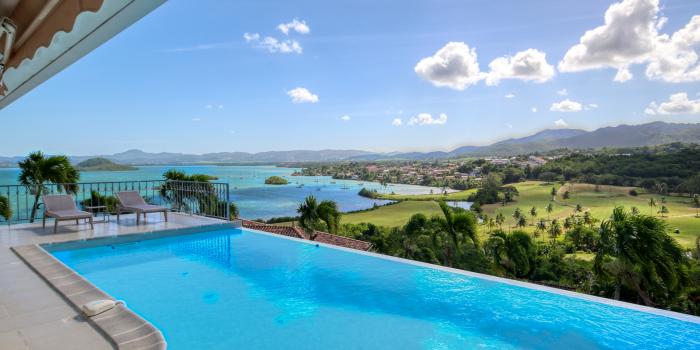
[(239, 289)]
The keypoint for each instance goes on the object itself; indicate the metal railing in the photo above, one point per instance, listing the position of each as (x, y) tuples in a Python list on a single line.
[(208, 199)]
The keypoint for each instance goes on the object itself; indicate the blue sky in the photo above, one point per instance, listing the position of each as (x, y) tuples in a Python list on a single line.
[(181, 83)]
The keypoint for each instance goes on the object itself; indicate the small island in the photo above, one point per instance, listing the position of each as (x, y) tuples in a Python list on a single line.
[(276, 180), (103, 164), (372, 194)]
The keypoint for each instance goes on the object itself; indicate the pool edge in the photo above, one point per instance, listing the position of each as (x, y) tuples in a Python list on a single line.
[(529, 285), (121, 327)]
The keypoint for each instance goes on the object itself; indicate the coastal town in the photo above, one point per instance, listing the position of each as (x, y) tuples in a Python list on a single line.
[(458, 174)]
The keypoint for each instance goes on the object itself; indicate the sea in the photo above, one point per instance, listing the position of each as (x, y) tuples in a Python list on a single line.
[(248, 190)]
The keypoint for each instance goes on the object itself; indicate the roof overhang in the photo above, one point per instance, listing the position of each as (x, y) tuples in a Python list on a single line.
[(39, 38)]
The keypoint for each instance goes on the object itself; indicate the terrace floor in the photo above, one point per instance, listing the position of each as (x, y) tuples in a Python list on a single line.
[(32, 314)]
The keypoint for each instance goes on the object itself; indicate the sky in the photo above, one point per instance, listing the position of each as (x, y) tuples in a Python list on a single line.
[(402, 75)]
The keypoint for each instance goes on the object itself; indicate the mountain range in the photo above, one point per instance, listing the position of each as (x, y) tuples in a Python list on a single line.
[(650, 134)]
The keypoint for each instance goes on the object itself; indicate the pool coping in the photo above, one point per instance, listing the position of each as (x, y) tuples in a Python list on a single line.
[(120, 326)]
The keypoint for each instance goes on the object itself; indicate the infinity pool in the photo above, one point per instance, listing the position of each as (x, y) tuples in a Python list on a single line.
[(240, 289)]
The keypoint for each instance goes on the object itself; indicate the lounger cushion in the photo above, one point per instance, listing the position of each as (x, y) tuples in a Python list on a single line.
[(68, 214), (145, 208)]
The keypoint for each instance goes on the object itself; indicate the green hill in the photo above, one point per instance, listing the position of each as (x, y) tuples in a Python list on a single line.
[(102, 164)]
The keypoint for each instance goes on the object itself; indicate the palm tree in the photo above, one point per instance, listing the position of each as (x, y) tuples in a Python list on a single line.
[(312, 213), (637, 252), (416, 226), (517, 214), (588, 219), (522, 222), (200, 194), (460, 227), (308, 216), (664, 211), (491, 223), (5, 208), (578, 209), (635, 210), (696, 202), (652, 204), (515, 252), (550, 208), (541, 227), (533, 214), (500, 219), (328, 213), (37, 170), (554, 229), (553, 193), (568, 224)]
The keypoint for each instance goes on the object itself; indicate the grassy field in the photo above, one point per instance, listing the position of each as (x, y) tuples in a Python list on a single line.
[(454, 196), (599, 201), (393, 215)]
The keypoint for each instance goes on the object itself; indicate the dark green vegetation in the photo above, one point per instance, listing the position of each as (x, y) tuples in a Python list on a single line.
[(179, 175), (200, 197), (369, 193), (102, 164), (315, 216), (37, 170), (663, 169), (5, 208), (276, 180), (97, 199)]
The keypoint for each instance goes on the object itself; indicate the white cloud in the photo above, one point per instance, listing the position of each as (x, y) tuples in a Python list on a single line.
[(295, 25), (345, 118), (675, 60), (627, 36), (273, 45), (302, 95), (566, 106), (630, 35), (454, 66), (560, 123), (427, 119), (676, 104), (623, 74), (534, 110), (528, 65), (562, 92), (209, 106), (221, 106), (509, 96), (509, 126), (592, 105), (196, 119), (397, 122)]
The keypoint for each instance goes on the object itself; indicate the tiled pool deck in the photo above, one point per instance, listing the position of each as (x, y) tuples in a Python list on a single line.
[(35, 316)]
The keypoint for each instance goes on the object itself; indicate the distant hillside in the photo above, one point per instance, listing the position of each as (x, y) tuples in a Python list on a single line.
[(102, 164), (650, 134)]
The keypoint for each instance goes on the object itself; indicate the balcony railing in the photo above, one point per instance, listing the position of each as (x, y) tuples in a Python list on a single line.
[(208, 199)]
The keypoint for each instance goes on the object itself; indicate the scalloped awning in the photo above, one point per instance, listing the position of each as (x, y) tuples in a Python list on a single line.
[(50, 35)]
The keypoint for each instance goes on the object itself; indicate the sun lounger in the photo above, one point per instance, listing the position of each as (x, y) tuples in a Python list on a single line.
[(131, 201), (62, 207)]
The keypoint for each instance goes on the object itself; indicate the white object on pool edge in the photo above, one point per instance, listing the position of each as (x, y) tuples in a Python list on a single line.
[(97, 307)]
